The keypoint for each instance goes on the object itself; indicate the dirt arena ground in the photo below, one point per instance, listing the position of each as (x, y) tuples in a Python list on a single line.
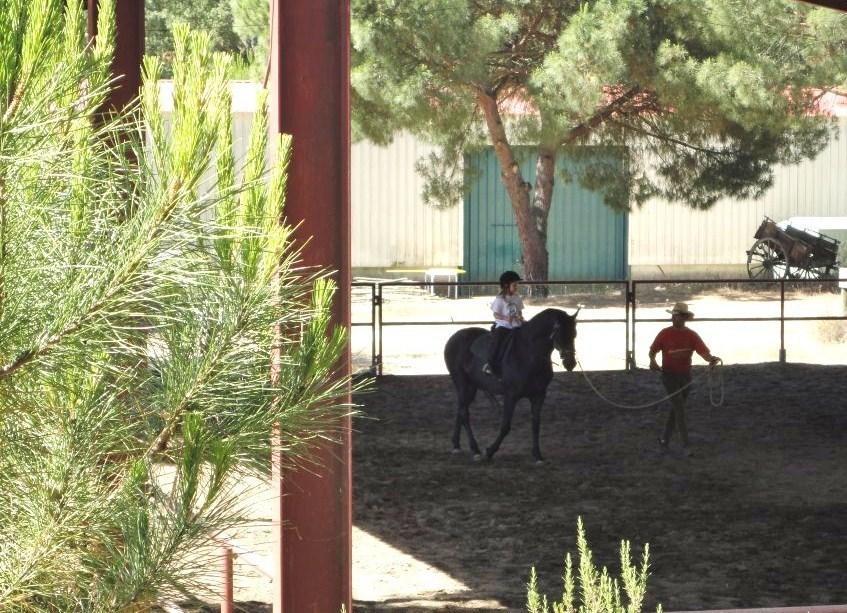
[(755, 518)]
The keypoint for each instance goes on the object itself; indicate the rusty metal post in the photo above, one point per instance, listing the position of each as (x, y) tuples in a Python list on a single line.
[(227, 605), (129, 48), (309, 98)]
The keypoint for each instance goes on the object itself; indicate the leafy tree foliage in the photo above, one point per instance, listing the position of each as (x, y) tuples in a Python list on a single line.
[(690, 101), (153, 333), (252, 23), (238, 27), (211, 16)]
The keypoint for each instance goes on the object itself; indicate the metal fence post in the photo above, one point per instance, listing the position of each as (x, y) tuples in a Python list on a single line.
[(379, 302), (373, 327), (627, 352), (633, 301), (782, 321)]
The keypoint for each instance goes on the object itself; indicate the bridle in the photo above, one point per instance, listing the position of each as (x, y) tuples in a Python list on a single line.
[(564, 353)]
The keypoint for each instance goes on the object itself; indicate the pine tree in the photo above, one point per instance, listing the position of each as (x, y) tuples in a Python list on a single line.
[(689, 101), (140, 318)]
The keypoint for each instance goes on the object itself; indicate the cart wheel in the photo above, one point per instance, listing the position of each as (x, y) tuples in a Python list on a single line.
[(808, 273), (766, 260)]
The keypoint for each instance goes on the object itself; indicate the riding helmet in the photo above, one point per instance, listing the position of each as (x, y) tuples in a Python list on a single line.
[(510, 276)]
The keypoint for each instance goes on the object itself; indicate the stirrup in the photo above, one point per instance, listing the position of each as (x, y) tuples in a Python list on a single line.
[(486, 369)]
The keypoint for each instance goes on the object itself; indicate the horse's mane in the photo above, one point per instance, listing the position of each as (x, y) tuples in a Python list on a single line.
[(546, 319), (550, 312)]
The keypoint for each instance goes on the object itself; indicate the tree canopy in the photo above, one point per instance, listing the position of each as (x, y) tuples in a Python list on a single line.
[(238, 27), (697, 100)]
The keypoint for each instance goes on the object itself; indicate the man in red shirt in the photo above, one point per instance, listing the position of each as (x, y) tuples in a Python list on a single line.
[(677, 344)]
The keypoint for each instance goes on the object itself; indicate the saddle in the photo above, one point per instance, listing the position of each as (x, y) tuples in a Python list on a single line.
[(479, 348)]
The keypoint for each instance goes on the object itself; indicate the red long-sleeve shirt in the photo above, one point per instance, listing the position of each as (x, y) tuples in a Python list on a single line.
[(677, 346)]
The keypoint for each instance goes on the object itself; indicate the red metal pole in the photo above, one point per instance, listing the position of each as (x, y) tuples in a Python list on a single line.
[(129, 47), (226, 580), (309, 98)]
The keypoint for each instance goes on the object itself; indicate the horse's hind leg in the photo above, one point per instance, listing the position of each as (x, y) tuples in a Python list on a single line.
[(471, 438), (457, 431), (505, 425), (537, 402), (463, 419)]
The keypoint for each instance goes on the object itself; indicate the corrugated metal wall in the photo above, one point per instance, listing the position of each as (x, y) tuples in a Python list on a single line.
[(392, 227), (585, 239), (671, 234)]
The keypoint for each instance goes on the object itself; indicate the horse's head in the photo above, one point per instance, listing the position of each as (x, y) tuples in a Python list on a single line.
[(563, 337)]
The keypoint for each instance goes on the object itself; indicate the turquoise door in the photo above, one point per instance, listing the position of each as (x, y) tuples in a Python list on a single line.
[(585, 238)]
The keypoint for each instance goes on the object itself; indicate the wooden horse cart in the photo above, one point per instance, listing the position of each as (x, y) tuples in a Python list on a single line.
[(783, 251)]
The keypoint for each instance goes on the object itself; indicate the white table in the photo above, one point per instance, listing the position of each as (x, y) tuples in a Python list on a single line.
[(451, 275)]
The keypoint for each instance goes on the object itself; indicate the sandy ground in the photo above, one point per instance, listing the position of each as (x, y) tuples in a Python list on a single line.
[(755, 518), (602, 346)]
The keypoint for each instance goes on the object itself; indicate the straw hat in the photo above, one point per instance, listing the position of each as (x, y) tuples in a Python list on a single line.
[(681, 308)]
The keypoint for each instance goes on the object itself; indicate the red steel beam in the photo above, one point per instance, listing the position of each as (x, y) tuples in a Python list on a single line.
[(309, 98), (838, 5), (129, 48)]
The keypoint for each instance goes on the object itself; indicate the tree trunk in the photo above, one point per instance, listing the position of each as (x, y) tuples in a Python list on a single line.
[(545, 169), (530, 212)]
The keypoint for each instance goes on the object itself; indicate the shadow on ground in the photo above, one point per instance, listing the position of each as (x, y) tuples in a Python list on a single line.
[(755, 518)]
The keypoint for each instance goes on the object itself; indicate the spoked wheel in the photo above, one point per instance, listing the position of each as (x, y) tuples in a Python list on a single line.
[(808, 273), (766, 260)]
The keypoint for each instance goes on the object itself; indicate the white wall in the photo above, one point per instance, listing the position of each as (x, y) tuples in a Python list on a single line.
[(671, 234), (392, 227)]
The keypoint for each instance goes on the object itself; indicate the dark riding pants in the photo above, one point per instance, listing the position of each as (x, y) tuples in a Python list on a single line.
[(498, 337), (673, 383)]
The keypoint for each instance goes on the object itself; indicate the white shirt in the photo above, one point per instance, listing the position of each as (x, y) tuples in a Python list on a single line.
[(509, 309)]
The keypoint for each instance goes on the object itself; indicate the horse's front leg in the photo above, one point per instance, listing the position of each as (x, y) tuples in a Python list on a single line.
[(537, 402), (505, 425)]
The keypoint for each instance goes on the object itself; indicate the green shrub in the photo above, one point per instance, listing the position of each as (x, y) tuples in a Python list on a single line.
[(598, 591)]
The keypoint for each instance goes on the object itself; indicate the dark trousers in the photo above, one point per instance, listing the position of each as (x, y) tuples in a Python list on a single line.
[(676, 417), (498, 337)]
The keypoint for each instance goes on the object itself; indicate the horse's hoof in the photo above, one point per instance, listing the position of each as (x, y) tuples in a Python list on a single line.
[(477, 457), (456, 451), (540, 462)]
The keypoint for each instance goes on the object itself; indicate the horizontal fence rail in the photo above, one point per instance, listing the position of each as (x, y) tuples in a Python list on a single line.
[(629, 302)]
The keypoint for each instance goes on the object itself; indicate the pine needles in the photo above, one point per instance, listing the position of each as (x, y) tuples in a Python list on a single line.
[(142, 307)]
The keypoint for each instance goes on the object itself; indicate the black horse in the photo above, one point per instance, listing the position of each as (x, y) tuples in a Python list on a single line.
[(526, 369)]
